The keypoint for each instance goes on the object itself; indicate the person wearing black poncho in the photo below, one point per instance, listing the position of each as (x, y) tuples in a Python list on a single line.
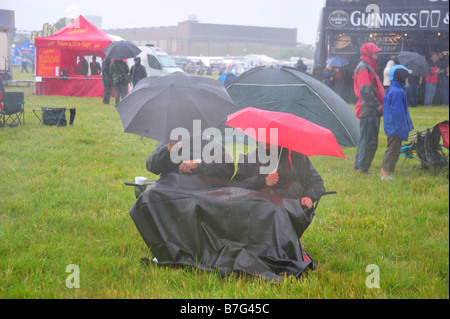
[(195, 215), (295, 175), (160, 162)]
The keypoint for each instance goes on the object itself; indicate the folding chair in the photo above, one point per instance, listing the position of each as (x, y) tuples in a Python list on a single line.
[(426, 146), (55, 116), (13, 112)]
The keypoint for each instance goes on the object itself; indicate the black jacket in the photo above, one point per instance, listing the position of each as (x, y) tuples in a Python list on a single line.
[(137, 73), (159, 162), (107, 79), (301, 180)]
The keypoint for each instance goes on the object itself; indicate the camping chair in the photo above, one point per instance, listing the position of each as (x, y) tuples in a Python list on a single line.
[(13, 112), (55, 116), (428, 149), (139, 189)]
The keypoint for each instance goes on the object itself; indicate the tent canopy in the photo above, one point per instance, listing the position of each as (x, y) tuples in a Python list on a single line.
[(291, 91), (57, 57), (80, 35)]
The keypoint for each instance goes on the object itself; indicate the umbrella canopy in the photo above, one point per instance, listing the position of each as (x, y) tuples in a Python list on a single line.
[(337, 61), (294, 133), (415, 62), (121, 50), (159, 104), (289, 90)]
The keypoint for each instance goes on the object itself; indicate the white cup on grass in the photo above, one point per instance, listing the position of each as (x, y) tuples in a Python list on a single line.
[(140, 180)]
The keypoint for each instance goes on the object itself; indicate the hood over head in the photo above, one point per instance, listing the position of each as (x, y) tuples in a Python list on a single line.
[(398, 73)]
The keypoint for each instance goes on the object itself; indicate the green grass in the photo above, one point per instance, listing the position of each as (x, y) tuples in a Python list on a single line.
[(63, 201)]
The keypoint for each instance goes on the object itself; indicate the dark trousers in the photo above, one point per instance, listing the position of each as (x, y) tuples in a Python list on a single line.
[(120, 90), (107, 92), (367, 143), (390, 158), (412, 93)]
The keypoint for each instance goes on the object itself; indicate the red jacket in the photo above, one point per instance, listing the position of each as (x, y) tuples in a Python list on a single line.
[(367, 85), (432, 77)]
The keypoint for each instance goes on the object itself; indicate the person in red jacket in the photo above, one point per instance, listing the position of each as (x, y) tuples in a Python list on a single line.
[(369, 108), (431, 80)]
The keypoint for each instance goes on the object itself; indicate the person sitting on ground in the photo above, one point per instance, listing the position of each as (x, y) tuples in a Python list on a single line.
[(295, 175), (160, 162), (396, 119)]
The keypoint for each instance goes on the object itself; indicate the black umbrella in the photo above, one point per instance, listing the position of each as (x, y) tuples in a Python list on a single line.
[(415, 62), (159, 104), (121, 50)]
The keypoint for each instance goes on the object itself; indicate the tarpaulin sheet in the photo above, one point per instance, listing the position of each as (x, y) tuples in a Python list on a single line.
[(213, 225)]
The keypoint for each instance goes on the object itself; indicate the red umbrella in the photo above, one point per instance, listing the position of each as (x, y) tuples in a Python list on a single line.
[(294, 133)]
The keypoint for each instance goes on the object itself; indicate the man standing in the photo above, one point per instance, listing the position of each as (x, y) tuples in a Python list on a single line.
[(119, 72), (95, 66), (24, 66), (137, 71), (82, 67), (369, 108), (107, 80), (431, 80)]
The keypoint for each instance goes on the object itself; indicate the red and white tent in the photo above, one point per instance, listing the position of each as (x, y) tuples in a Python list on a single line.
[(57, 56)]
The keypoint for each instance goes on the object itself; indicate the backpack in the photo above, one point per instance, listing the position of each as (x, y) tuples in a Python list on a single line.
[(124, 78)]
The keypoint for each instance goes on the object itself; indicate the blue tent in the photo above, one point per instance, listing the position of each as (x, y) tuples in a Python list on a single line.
[(227, 78)]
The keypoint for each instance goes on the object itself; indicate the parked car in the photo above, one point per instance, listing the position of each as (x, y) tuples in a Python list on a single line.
[(156, 61)]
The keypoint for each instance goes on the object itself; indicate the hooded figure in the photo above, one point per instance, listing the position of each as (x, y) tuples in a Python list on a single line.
[(368, 87), (396, 119), (369, 108), (137, 71)]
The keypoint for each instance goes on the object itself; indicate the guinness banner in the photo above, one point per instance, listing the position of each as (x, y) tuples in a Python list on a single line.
[(379, 18)]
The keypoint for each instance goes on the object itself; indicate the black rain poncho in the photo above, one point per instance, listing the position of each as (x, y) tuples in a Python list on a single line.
[(216, 224)]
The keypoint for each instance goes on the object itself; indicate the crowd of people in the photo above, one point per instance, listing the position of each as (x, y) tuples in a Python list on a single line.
[(116, 75), (429, 90), (386, 92), (376, 100)]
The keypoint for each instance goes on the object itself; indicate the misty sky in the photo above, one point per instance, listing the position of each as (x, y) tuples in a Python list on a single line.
[(30, 15)]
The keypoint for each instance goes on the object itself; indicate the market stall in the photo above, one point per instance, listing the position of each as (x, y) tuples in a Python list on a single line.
[(59, 59)]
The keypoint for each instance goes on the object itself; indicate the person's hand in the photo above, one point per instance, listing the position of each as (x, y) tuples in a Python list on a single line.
[(307, 202), (272, 179), (186, 167), (380, 109)]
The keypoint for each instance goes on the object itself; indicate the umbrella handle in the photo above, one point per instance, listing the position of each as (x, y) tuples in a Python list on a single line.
[(279, 156)]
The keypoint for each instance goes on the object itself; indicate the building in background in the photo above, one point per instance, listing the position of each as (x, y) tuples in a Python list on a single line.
[(403, 25), (205, 39), (7, 29), (420, 26)]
